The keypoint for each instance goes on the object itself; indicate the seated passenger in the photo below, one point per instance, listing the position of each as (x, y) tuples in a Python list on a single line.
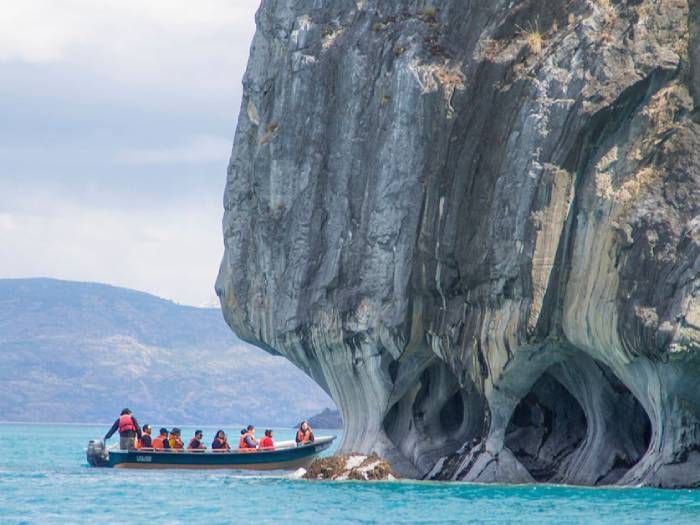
[(266, 442), (304, 434), (196, 441), (220, 442), (174, 439), (247, 440), (162, 440), (146, 441)]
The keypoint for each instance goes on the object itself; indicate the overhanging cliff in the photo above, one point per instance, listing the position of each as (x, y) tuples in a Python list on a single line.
[(475, 224)]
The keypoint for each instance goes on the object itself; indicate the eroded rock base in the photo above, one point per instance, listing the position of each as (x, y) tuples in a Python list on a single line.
[(356, 467)]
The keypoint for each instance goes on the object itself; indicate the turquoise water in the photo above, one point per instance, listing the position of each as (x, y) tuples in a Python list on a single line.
[(44, 479)]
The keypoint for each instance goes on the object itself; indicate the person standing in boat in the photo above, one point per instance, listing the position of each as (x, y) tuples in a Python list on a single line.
[(128, 428), (196, 441), (145, 441), (220, 442), (304, 434)]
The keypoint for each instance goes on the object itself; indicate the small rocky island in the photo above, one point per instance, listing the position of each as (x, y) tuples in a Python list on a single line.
[(475, 225), (349, 467), (327, 419)]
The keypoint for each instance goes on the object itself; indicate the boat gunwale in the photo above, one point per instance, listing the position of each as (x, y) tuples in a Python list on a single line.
[(323, 440)]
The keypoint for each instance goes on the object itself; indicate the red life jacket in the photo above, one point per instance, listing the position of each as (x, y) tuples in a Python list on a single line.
[(126, 424), (266, 442)]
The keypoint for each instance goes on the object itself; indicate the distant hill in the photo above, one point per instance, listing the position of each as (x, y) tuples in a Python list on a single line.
[(328, 419), (79, 352)]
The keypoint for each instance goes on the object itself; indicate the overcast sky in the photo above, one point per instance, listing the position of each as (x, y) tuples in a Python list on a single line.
[(117, 119)]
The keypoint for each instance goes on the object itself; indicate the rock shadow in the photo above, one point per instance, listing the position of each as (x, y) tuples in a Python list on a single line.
[(435, 417), (578, 424)]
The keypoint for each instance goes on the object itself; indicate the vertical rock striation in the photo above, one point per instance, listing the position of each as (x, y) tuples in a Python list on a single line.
[(475, 224)]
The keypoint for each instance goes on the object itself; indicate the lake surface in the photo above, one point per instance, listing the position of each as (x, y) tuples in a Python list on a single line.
[(44, 478)]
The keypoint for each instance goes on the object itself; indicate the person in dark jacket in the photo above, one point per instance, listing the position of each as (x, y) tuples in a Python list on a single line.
[(146, 441), (220, 442), (128, 428), (196, 441)]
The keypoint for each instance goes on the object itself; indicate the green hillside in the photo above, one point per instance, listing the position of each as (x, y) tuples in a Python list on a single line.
[(79, 352)]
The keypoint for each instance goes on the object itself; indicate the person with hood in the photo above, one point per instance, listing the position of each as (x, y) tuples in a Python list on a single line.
[(128, 428)]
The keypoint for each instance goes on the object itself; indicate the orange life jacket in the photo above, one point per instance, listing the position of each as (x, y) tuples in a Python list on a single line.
[(158, 442), (242, 443), (304, 436), (126, 424)]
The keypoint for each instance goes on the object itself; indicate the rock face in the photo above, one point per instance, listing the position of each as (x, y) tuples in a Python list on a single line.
[(476, 227)]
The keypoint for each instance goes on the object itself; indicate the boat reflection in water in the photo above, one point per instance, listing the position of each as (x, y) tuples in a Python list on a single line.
[(285, 456)]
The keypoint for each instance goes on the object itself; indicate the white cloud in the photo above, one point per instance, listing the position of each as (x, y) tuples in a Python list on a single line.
[(200, 149), (7, 222), (117, 96), (173, 253), (129, 40)]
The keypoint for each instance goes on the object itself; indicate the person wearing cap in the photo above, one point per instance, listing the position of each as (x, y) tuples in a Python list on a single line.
[(128, 428), (162, 440), (145, 441), (174, 439)]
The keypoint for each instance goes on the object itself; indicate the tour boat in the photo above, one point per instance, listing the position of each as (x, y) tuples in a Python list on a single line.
[(285, 456)]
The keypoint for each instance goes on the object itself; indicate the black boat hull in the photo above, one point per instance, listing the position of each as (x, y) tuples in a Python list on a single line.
[(286, 458)]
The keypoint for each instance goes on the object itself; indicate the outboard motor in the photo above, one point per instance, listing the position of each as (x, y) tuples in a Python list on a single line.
[(97, 454)]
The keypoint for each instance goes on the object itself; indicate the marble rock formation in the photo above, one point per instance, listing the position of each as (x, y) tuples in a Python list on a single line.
[(475, 225)]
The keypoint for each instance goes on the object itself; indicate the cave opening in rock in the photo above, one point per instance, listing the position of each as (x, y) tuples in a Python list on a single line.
[(434, 417), (557, 439), (546, 428)]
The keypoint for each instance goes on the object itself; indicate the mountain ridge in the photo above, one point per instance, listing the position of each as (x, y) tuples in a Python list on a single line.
[(79, 352)]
